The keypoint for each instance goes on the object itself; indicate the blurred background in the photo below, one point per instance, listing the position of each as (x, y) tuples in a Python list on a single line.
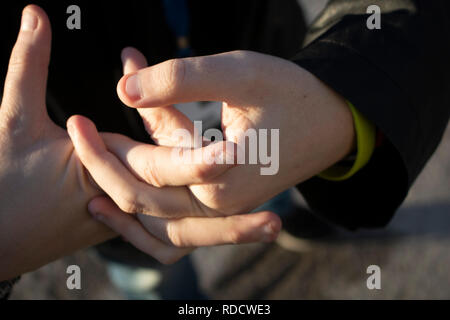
[(412, 252)]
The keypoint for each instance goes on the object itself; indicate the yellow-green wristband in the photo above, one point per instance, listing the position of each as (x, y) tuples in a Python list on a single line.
[(365, 143)]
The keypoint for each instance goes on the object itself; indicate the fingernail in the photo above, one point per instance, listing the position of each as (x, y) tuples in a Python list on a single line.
[(269, 232), (29, 21), (133, 87)]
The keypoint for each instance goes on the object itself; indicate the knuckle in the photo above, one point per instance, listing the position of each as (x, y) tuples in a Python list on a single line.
[(250, 67), (235, 236), (150, 175), (20, 58), (242, 54), (129, 203), (16, 65), (15, 126), (174, 236), (26, 57), (175, 70), (12, 122)]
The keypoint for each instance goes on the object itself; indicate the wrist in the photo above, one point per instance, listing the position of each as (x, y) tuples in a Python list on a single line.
[(365, 138), (324, 132)]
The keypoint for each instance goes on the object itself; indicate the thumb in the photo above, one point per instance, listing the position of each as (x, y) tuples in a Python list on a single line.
[(160, 122), (26, 80)]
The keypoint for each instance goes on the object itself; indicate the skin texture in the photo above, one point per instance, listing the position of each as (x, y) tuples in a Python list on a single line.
[(191, 224), (45, 190), (258, 91)]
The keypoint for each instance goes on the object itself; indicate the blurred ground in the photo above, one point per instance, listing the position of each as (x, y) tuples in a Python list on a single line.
[(413, 254)]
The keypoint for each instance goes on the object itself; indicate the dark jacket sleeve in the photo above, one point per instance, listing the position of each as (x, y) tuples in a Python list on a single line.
[(399, 78), (6, 288)]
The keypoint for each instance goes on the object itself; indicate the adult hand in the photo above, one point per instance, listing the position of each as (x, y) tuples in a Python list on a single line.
[(44, 189), (188, 226), (258, 92)]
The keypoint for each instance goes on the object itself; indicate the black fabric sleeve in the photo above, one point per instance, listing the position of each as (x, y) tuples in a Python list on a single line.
[(399, 78), (6, 288)]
